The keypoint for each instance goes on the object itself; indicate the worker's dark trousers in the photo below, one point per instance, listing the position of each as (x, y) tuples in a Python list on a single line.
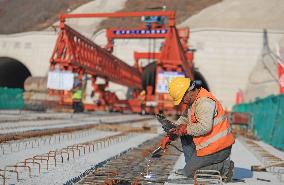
[(193, 162), (77, 106)]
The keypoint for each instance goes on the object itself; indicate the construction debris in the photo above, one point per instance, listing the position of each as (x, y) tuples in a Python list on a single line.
[(264, 167)]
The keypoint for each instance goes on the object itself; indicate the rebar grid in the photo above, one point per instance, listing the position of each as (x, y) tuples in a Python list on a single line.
[(135, 167), (64, 154), (25, 144), (202, 177)]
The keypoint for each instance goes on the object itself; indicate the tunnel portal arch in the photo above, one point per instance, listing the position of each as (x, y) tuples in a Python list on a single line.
[(13, 73)]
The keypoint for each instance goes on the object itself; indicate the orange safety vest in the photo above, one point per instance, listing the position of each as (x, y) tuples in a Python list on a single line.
[(220, 137)]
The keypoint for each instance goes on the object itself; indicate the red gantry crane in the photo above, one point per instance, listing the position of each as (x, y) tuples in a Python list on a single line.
[(78, 54)]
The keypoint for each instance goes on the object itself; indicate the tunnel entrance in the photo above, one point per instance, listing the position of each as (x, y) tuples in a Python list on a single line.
[(198, 76), (12, 73)]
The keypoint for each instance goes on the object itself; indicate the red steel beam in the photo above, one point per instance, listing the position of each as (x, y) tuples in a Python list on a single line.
[(173, 53), (169, 14), (75, 51), (146, 55)]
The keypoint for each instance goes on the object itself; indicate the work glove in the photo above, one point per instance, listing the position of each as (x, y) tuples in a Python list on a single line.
[(165, 141), (180, 130)]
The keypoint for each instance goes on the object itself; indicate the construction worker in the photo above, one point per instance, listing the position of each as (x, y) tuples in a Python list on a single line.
[(142, 96), (204, 130), (77, 96), (142, 100)]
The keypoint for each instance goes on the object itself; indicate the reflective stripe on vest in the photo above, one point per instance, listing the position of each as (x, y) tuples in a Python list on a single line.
[(220, 136), (219, 119), (214, 138)]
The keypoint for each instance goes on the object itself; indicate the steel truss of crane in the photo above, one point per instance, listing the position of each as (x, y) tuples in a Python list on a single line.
[(74, 52)]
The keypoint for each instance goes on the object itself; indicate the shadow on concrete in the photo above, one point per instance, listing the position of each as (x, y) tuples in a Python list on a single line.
[(242, 173)]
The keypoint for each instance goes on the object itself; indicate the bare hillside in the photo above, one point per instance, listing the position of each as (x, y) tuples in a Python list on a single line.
[(243, 14), (183, 8), (27, 15)]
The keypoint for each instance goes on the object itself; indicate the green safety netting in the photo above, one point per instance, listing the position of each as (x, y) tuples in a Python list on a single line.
[(11, 98), (267, 119)]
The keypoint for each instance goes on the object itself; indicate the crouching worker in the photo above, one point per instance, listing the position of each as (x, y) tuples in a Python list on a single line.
[(204, 130)]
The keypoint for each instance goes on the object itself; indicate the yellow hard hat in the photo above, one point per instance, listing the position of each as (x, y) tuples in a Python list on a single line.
[(177, 88)]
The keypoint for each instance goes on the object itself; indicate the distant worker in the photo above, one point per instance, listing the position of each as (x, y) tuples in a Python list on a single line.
[(77, 96), (142, 99), (206, 135), (142, 96)]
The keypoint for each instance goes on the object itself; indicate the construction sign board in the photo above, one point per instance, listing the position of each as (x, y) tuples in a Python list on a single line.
[(164, 79), (60, 80)]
